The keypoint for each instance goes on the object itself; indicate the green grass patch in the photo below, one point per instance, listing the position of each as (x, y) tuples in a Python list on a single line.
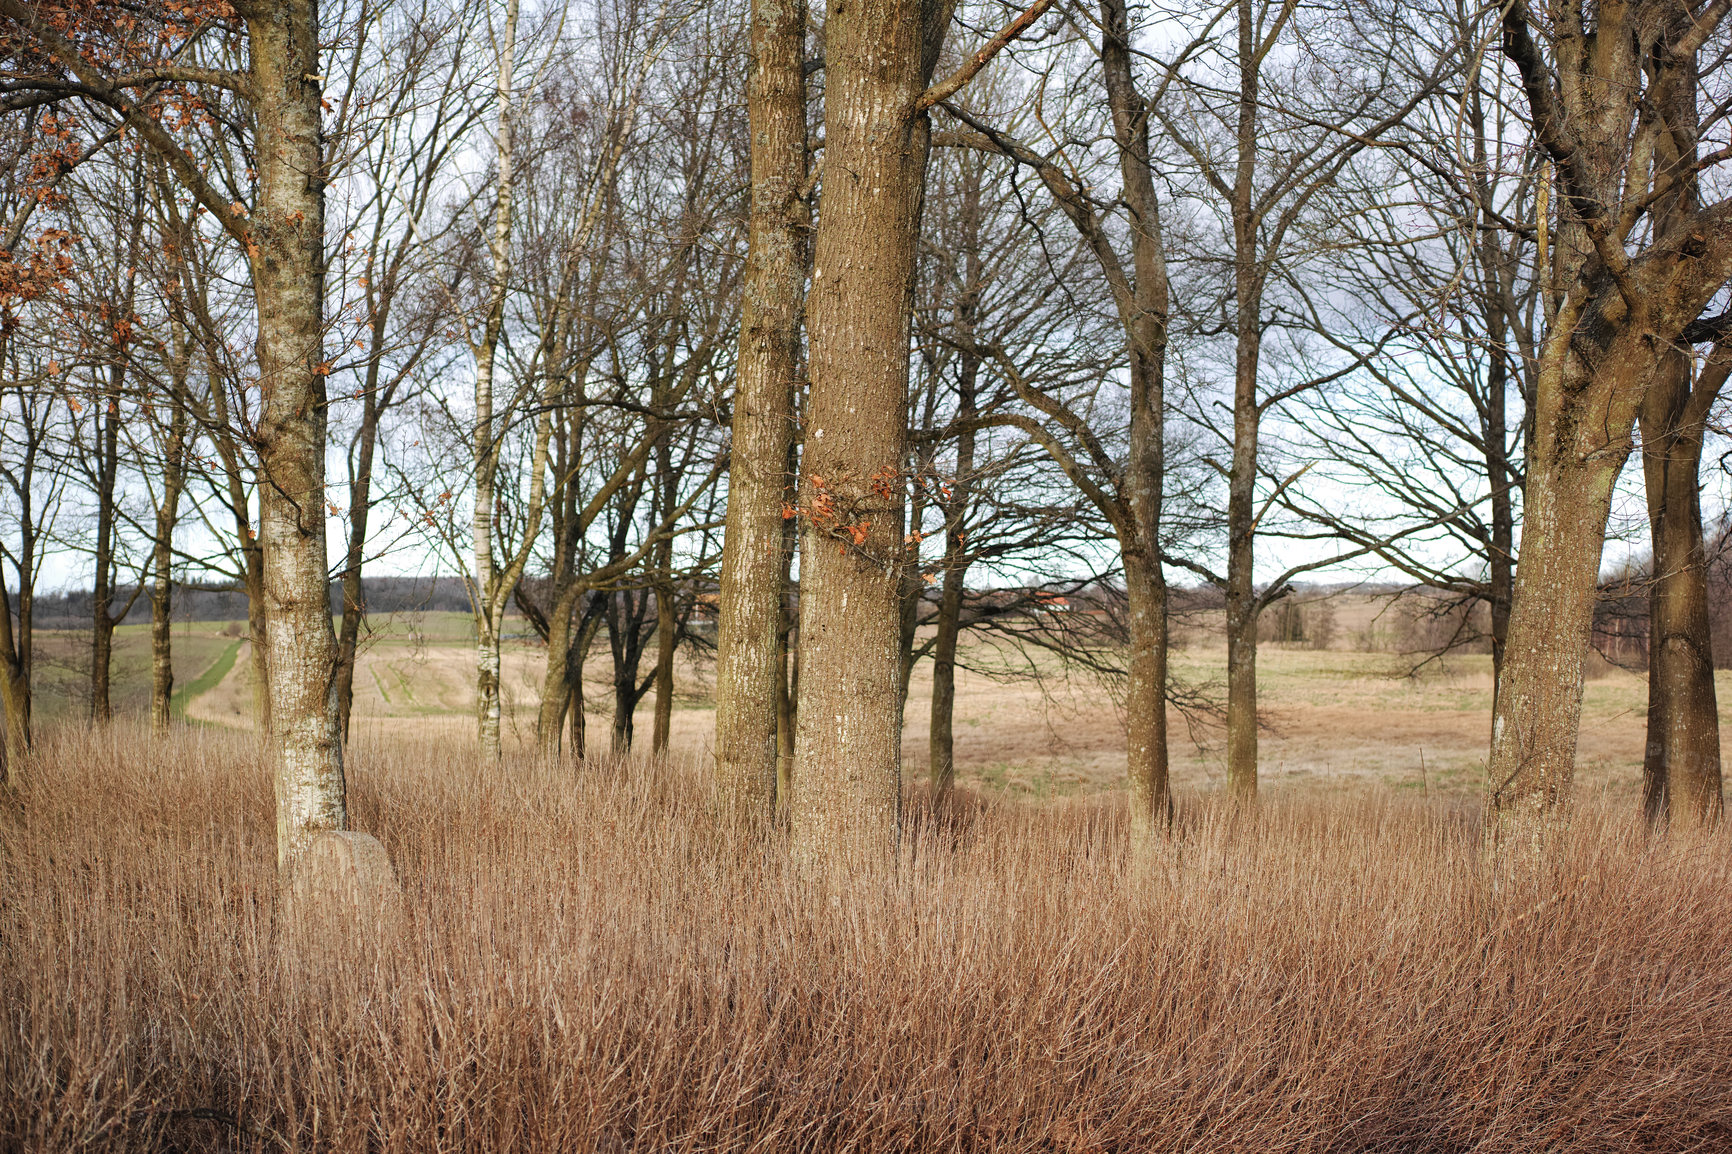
[(206, 681)]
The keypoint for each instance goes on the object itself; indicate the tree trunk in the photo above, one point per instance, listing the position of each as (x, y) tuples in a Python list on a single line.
[(941, 742), (161, 641), (1242, 619), (360, 505), (574, 680), (102, 595), (625, 622), (258, 643), (1146, 771), (288, 278), (847, 788), (1243, 605), (489, 605), (14, 686), (750, 600), (1681, 769), (15, 698), (667, 638), (913, 595), (1540, 702), (1582, 421), (107, 475), (555, 686), (1144, 317), (162, 559), (787, 673), (1500, 559), (1618, 315)]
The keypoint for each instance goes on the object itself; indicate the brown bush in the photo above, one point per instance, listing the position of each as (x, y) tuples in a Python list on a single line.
[(591, 963)]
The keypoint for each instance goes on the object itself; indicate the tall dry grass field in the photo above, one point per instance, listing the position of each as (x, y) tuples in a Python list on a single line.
[(591, 963)]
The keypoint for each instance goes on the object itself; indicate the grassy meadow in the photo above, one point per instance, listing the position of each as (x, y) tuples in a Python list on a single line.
[(590, 961), (1333, 718)]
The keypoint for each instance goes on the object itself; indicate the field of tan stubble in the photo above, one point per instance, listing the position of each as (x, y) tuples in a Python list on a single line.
[(592, 963), (1333, 719)]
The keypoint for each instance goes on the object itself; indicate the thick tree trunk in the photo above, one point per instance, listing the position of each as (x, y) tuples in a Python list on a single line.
[(1540, 701), (750, 601), (1681, 769), (847, 787), (1144, 317), (1151, 796), (555, 685), (1608, 80), (1583, 420), (288, 278)]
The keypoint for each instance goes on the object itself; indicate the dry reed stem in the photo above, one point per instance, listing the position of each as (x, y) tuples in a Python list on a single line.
[(592, 962)]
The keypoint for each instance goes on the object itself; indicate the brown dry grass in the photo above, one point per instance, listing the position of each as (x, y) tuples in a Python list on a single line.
[(591, 963)]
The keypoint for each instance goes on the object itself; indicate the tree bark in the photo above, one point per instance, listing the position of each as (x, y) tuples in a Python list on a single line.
[(787, 667), (1582, 423), (1618, 321), (847, 787), (1681, 771), (1143, 313), (15, 683), (1242, 601), (288, 279), (102, 594), (752, 582), (586, 632), (941, 741), (360, 506), (489, 606), (555, 686), (667, 638), (162, 558)]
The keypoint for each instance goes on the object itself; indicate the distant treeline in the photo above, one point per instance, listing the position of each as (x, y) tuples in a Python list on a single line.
[(72, 609)]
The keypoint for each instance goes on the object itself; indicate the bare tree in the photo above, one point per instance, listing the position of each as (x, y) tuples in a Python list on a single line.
[(1433, 276), (282, 234), (413, 111), (1126, 491), (1263, 133), (1634, 263), (751, 638)]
